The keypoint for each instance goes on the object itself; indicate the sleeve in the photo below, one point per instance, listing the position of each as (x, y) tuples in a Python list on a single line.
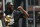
[(21, 15)]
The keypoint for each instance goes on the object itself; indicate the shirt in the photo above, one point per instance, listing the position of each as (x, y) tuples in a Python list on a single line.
[(15, 16)]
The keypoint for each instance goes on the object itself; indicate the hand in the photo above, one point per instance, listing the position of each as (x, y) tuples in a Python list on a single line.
[(19, 8)]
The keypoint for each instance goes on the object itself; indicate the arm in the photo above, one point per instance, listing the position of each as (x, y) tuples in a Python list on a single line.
[(25, 12)]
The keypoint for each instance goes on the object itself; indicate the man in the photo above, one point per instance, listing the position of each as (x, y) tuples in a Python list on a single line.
[(15, 14)]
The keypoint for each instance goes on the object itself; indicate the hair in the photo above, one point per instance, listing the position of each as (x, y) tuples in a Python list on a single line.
[(8, 3)]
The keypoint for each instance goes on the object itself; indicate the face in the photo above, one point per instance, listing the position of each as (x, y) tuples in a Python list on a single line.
[(11, 7)]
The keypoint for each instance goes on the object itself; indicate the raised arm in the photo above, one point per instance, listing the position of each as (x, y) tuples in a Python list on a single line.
[(25, 12)]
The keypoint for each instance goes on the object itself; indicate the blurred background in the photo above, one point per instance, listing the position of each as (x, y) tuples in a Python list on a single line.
[(33, 8)]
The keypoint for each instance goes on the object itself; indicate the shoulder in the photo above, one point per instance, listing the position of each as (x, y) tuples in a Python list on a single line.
[(14, 11), (17, 11)]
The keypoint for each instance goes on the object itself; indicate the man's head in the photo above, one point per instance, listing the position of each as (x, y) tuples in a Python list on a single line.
[(10, 6)]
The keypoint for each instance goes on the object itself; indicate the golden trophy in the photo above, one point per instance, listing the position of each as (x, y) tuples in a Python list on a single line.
[(7, 19)]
